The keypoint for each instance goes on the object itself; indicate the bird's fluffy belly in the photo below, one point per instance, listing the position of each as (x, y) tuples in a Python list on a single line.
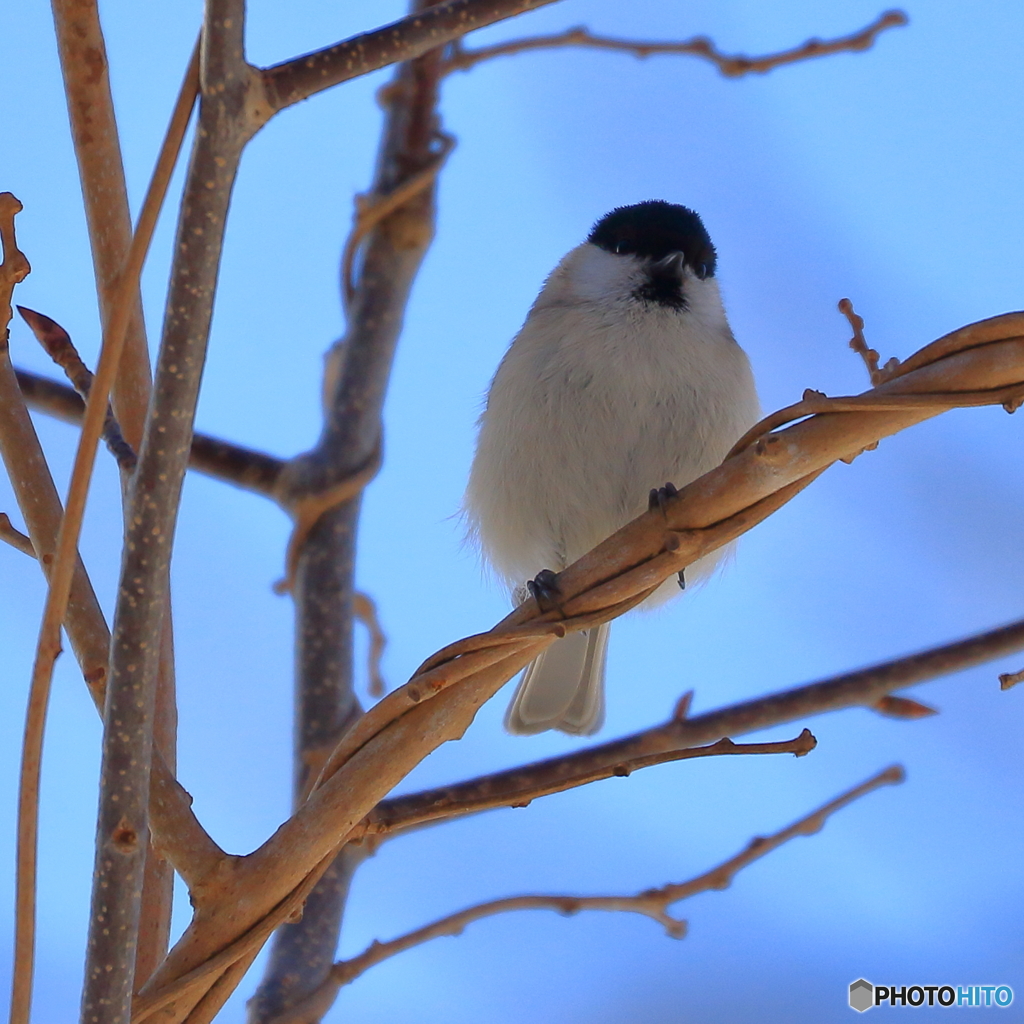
[(603, 421)]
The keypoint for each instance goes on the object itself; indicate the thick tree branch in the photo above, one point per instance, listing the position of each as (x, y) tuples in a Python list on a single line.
[(402, 40), (393, 228), (982, 362), (97, 149), (230, 463), (518, 786), (459, 58), (129, 727), (652, 903)]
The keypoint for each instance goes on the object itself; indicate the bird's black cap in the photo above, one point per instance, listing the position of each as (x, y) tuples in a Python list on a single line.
[(654, 229)]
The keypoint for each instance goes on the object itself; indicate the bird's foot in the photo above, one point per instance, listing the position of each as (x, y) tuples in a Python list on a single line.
[(544, 590), (660, 497), (682, 579)]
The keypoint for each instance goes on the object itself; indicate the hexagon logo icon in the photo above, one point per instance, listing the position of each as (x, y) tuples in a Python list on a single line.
[(861, 995)]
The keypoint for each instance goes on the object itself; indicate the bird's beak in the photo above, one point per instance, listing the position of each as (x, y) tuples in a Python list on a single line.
[(671, 264)]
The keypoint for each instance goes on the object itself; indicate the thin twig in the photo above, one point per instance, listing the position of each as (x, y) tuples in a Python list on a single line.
[(1008, 680), (13, 270), (735, 66), (858, 343), (364, 608), (61, 349), (15, 266), (231, 463), (371, 208), (902, 707), (180, 836), (652, 903), (13, 536), (518, 786)]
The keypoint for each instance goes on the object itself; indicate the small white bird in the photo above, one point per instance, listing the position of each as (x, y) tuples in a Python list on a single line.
[(624, 376)]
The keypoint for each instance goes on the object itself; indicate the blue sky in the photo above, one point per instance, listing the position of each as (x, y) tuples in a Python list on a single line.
[(891, 177)]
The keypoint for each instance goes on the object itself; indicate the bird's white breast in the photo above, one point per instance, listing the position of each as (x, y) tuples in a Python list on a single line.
[(598, 400)]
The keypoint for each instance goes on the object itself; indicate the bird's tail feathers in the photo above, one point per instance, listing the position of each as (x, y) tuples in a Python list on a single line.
[(563, 688)]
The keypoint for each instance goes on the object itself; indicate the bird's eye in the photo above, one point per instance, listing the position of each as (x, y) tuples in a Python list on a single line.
[(620, 247), (701, 270)]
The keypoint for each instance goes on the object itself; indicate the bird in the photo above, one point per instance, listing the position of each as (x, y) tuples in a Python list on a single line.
[(624, 383)]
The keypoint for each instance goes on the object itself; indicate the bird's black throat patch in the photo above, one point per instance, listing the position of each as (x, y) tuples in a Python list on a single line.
[(663, 286)]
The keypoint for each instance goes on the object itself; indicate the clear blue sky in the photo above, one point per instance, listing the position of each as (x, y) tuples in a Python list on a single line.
[(892, 177)]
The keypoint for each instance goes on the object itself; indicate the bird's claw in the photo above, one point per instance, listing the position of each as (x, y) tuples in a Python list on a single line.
[(660, 497), (544, 590)]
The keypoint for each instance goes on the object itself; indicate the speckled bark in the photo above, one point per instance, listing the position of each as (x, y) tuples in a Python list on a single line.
[(122, 825), (302, 953)]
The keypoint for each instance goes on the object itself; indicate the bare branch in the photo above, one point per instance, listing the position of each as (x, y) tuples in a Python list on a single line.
[(130, 709), (61, 349), (83, 59), (981, 362), (519, 787), (90, 639), (13, 536), (15, 266), (902, 707), (736, 66), (864, 688), (182, 838), (652, 903), (19, 454), (223, 460), (393, 227), (402, 40), (177, 833), (365, 610), (859, 345), (1008, 680)]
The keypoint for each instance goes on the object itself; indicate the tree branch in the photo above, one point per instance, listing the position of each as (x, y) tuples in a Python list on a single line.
[(129, 723), (83, 59), (231, 463), (516, 787), (10, 534), (981, 362), (59, 347), (177, 832), (394, 225), (364, 608), (97, 149), (531, 781), (402, 40), (37, 497), (652, 903), (1008, 680), (736, 66)]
